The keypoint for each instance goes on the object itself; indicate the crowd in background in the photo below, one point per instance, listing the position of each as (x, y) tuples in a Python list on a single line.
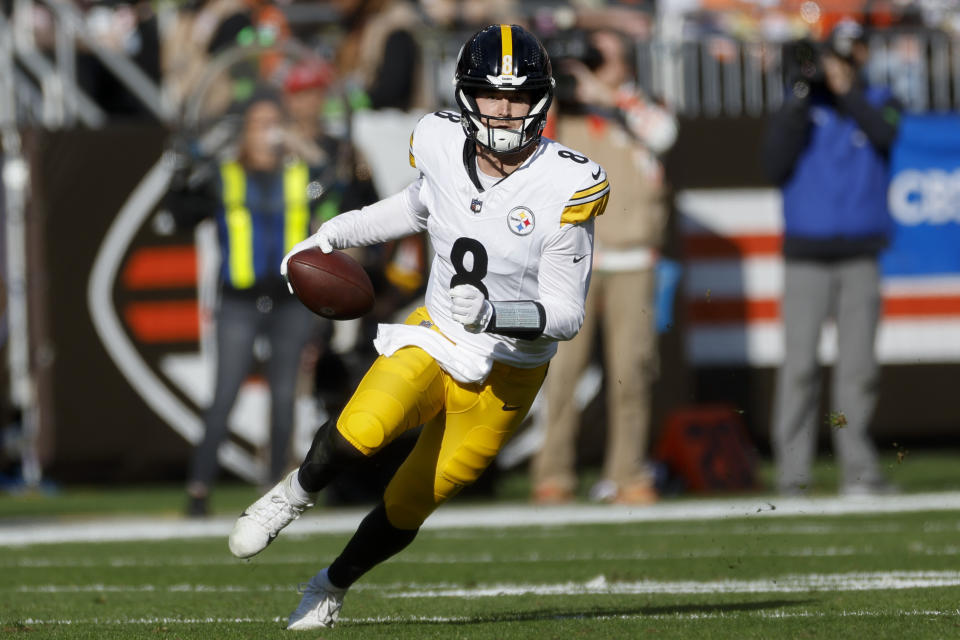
[(172, 42), (792, 19), (388, 59)]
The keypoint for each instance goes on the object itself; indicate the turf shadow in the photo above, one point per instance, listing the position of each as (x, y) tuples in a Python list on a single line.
[(583, 613)]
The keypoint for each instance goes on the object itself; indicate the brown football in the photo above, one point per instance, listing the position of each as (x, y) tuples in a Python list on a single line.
[(332, 285)]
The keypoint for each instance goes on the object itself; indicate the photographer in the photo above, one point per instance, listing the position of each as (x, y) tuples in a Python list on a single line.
[(827, 148), (612, 121)]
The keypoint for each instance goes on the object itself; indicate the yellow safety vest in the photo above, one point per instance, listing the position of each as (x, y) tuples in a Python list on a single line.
[(239, 222)]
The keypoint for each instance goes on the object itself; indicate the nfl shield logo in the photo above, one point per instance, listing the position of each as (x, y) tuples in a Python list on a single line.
[(476, 205)]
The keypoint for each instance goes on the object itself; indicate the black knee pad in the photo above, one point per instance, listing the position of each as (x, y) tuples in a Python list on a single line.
[(329, 453)]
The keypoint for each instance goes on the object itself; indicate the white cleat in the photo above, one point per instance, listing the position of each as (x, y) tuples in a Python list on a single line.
[(262, 521), (320, 606)]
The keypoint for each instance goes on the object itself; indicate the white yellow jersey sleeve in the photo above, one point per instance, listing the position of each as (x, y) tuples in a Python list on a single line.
[(528, 237)]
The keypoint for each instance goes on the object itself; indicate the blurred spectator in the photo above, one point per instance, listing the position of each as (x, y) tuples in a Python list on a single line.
[(262, 208), (612, 121), (129, 29), (305, 96), (382, 59), (632, 19), (828, 149), (201, 29), (471, 14), (381, 53)]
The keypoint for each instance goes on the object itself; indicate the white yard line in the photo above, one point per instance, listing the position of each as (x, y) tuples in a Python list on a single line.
[(493, 516), (791, 583), (775, 615), (865, 581)]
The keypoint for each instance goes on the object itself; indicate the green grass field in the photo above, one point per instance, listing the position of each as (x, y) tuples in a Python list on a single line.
[(745, 575)]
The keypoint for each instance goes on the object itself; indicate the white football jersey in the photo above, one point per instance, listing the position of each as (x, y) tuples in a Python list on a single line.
[(527, 237)]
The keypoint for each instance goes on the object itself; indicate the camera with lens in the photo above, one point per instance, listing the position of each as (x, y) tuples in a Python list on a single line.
[(803, 59), (803, 63), (570, 47)]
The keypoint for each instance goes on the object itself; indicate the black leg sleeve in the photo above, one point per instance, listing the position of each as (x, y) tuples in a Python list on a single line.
[(329, 454), (375, 541)]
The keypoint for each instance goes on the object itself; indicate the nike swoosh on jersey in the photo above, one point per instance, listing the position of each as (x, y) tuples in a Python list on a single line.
[(576, 260), (596, 175), (510, 407)]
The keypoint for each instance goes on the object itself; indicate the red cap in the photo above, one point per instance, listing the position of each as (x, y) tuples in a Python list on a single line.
[(308, 75)]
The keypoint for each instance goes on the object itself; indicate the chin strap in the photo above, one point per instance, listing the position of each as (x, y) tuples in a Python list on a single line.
[(517, 319)]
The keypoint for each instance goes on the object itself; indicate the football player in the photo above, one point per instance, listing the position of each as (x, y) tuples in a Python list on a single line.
[(510, 215)]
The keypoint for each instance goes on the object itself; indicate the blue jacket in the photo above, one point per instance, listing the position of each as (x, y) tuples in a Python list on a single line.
[(835, 189)]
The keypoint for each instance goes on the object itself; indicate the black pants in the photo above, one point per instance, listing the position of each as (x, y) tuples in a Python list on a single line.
[(240, 319)]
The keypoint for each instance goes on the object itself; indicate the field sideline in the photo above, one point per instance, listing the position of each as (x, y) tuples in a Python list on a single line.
[(746, 567), (486, 516)]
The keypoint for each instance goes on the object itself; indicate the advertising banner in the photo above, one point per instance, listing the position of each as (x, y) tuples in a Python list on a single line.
[(925, 198), (734, 270)]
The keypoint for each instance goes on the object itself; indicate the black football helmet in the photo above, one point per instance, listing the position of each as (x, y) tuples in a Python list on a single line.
[(503, 57)]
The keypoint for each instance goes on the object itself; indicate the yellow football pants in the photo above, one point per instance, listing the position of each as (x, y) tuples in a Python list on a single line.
[(465, 425)]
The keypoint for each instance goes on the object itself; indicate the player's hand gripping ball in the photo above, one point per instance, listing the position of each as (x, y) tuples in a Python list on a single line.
[(332, 285)]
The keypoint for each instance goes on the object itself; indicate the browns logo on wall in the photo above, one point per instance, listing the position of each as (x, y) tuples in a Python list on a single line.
[(128, 310)]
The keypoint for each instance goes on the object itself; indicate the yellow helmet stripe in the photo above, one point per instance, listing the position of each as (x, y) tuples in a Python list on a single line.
[(506, 49)]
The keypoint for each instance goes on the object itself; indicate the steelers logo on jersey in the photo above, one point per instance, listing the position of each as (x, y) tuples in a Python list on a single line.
[(521, 221)]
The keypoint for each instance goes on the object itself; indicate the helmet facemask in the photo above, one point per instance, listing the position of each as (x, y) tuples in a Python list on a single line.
[(522, 131)]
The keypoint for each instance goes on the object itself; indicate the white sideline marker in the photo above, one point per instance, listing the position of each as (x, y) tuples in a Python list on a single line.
[(473, 517)]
